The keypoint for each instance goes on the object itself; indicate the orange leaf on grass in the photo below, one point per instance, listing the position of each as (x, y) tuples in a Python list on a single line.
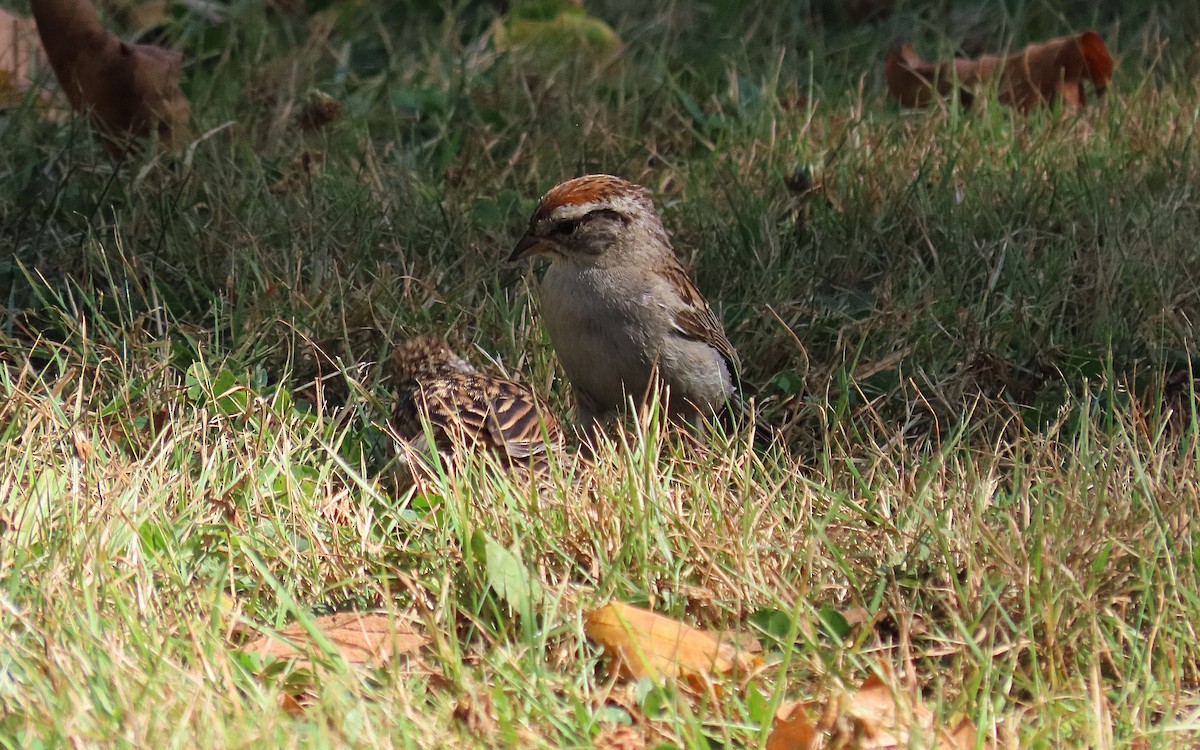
[(792, 729), (1038, 75), (129, 89), (642, 643), (878, 716), (357, 637), (293, 706)]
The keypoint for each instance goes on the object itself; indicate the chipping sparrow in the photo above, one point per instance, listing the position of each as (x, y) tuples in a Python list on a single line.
[(466, 408), (620, 308)]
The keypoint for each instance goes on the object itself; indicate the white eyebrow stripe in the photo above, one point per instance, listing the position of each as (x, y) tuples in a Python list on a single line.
[(575, 211), (622, 204)]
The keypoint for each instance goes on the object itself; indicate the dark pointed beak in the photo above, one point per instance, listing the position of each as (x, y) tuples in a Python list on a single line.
[(530, 245)]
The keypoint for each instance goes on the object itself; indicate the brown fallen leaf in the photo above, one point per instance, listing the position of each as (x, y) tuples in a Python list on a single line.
[(641, 643), (792, 730), (20, 53), (129, 89), (293, 705), (1038, 75), (620, 738), (878, 716), (299, 174), (357, 637)]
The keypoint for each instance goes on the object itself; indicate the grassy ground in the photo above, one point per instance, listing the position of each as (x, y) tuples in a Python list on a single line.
[(977, 331)]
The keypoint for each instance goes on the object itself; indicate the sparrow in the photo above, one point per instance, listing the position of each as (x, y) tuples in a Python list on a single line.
[(466, 409), (622, 314)]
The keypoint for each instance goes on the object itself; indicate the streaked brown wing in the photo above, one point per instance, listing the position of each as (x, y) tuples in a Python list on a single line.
[(469, 408), (516, 420), (697, 320), (457, 406)]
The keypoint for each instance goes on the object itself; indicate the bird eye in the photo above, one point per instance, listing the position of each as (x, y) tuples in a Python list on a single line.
[(566, 227)]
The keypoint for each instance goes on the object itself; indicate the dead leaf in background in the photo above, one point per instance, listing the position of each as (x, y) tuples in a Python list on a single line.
[(620, 738), (359, 638), (276, 86), (129, 89), (871, 718), (136, 16), (477, 714), (548, 34), (317, 111), (279, 81), (1038, 75), (641, 643), (19, 53), (299, 174)]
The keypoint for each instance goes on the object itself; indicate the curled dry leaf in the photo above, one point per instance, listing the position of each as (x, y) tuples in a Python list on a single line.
[(318, 110), (129, 89), (294, 705), (359, 638), (641, 643), (477, 715), (1038, 75), (870, 718)]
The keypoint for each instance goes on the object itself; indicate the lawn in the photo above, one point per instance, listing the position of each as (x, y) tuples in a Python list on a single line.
[(975, 331)]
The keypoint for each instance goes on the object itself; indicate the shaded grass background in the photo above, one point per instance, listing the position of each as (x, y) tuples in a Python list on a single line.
[(977, 331)]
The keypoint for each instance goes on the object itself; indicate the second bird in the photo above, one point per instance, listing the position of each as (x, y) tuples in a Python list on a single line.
[(619, 307), (466, 408)]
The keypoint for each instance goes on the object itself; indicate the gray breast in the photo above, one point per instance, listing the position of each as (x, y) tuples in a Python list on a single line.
[(601, 342)]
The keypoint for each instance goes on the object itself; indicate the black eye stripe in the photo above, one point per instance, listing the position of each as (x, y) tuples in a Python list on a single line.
[(567, 227)]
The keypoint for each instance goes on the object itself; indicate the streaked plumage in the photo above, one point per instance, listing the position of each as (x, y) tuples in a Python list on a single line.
[(468, 409)]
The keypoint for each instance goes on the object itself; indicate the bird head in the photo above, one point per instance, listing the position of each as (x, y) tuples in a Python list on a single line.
[(589, 220), (423, 357)]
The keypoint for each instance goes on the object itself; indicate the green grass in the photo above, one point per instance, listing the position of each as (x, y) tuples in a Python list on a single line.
[(976, 330)]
